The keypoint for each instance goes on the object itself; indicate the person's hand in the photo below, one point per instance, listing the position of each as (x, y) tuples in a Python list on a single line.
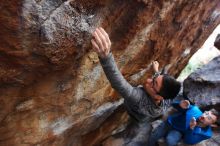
[(192, 123), (101, 43), (184, 104), (155, 66)]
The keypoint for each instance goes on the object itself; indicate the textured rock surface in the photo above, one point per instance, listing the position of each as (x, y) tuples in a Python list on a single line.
[(203, 86), (53, 90)]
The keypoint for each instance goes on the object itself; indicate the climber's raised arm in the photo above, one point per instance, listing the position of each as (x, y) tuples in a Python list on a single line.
[(102, 46)]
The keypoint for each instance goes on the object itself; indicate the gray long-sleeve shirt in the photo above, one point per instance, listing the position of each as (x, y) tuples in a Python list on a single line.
[(138, 102)]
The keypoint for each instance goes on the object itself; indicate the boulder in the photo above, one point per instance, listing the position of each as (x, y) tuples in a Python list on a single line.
[(53, 90), (203, 86)]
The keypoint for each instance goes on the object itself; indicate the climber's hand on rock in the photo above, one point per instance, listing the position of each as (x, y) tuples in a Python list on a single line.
[(101, 42), (155, 66)]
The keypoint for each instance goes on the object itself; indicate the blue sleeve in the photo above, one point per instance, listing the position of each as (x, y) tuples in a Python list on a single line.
[(176, 105), (194, 137)]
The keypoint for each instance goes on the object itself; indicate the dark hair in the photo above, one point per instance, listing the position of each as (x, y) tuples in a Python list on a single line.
[(217, 114), (217, 42), (170, 87)]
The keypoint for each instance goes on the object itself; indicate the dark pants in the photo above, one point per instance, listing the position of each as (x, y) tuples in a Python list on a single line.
[(137, 133), (171, 135)]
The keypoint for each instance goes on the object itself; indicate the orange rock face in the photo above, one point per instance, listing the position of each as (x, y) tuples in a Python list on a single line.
[(53, 90)]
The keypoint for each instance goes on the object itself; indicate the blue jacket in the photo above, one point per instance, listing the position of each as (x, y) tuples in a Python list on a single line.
[(181, 122)]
